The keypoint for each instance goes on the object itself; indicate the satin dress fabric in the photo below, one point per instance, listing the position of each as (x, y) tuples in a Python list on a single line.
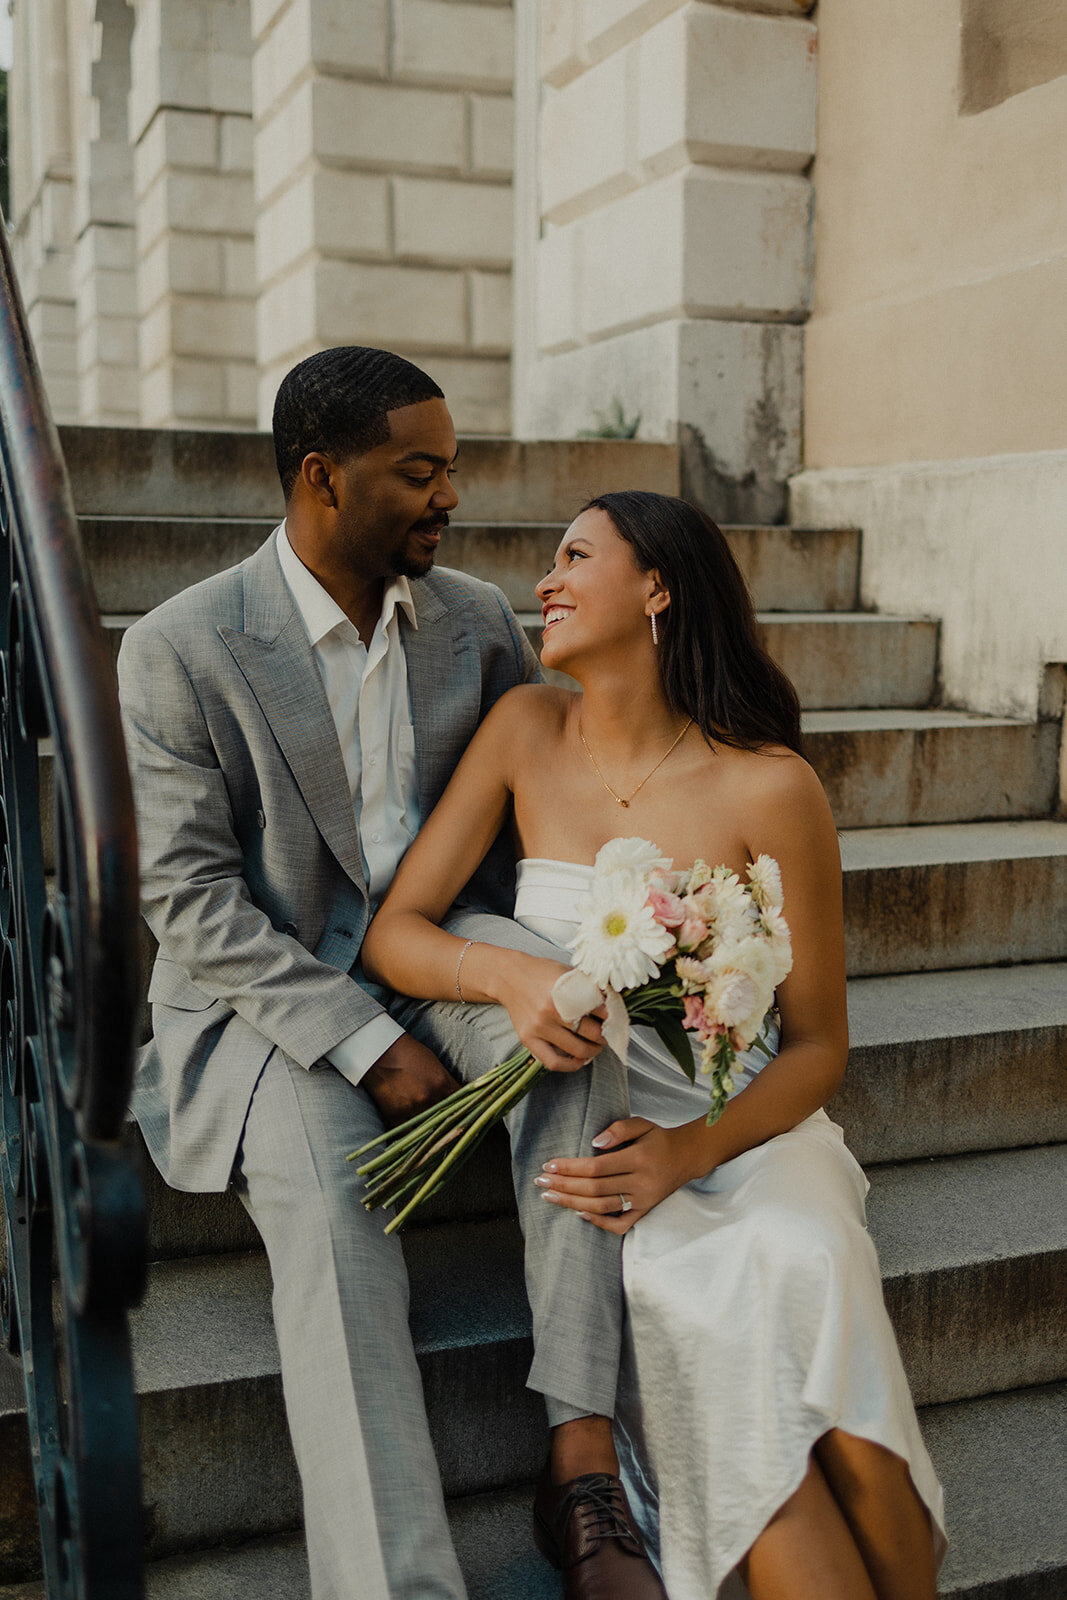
[(755, 1319)]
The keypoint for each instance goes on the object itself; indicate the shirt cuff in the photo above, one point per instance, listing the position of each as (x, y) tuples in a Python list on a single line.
[(357, 1054)]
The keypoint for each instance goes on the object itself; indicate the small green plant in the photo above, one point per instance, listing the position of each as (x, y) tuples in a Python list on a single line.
[(613, 423)]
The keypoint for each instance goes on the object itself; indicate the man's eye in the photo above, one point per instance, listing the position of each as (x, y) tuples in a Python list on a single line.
[(420, 482)]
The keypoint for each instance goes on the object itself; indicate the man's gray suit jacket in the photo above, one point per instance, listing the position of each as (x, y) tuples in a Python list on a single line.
[(251, 875)]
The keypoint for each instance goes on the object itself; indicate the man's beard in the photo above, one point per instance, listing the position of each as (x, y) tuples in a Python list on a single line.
[(410, 564)]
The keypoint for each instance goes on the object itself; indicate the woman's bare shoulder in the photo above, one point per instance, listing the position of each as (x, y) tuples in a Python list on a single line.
[(533, 705), (784, 795)]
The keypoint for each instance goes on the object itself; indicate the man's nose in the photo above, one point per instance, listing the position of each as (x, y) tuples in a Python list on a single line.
[(446, 498)]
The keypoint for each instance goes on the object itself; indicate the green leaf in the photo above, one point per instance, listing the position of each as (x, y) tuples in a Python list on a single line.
[(679, 1043)]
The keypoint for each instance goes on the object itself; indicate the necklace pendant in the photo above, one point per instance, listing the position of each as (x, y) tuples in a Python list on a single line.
[(624, 803)]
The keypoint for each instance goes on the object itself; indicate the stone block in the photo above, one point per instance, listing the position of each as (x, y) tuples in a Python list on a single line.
[(179, 263), (334, 35), (106, 192), (235, 144), (183, 392), (558, 289), (51, 319), (263, 13), (58, 357), (285, 318), (608, 25), (388, 125), (449, 42), (560, 52), (434, 219), (222, 327), (478, 391), (105, 294), (238, 267), (284, 142), (178, 139), (102, 247), (731, 246), (108, 342), (198, 203), (490, 308), (492, 152), (231, 27), (333, 212), (586, 142), (110, 395), (240, 389), (57, 215), (400, 307), (726, 88), (63, 391)]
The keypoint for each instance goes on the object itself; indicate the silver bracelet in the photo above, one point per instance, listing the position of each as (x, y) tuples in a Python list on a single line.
[(459, 963)]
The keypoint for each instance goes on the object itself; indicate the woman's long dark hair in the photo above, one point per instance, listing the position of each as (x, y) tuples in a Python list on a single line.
[(712, 665)]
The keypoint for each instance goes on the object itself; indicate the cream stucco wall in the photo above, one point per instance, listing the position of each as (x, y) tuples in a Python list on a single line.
[(936, 354), (937, 327)]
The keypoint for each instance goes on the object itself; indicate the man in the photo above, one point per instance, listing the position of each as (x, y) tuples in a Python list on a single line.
[(288, 724)]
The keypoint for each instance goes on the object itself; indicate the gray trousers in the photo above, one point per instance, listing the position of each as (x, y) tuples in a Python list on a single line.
[(374, 1510)]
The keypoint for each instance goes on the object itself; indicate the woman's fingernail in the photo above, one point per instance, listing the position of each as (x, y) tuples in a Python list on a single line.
[(542, 1183), (601, 1140), (549, 1166), (586, 1216), (550, 1194)]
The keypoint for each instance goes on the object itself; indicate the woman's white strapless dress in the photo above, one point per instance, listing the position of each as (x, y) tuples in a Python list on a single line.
[(755, 1318)]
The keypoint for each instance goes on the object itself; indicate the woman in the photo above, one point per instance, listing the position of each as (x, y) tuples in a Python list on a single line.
[(764, 1420)]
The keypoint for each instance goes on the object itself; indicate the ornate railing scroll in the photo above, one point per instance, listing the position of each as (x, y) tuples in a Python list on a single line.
[(75, 1235)]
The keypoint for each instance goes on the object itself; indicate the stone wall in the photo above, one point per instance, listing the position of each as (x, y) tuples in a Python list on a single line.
[(383, 196), (42, 192), (664, 225), (190, 125)]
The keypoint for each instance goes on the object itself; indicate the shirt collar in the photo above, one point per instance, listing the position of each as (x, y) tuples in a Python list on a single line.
[(318, 610)]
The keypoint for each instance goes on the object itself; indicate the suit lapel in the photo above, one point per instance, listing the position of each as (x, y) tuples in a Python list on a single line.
[(441, 656), (275, 656)]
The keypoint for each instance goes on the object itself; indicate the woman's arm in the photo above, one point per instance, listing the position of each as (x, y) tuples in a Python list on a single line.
[(790, 819), (405, 948)]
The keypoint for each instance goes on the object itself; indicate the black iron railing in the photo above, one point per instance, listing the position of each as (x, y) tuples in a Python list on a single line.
[(75, 1237)]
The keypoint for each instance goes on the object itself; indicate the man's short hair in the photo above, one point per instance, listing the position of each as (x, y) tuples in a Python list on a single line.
[(337, 402)]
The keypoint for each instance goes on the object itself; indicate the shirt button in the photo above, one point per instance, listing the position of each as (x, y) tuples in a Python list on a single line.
[(376, 838), (373, 761)]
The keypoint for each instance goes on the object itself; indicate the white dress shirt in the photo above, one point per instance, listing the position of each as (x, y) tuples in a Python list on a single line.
[(367, 692)]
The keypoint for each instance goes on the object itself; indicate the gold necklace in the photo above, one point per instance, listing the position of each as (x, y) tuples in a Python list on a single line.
[(618, 799)]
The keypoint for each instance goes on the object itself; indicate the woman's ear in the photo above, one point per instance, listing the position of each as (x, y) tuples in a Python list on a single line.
[(659, 598)]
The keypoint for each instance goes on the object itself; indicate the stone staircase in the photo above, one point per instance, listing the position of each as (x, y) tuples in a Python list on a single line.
[(956, 913)]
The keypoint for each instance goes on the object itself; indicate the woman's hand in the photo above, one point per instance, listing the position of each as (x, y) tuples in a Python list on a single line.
[(654, 1163), (523, 985)]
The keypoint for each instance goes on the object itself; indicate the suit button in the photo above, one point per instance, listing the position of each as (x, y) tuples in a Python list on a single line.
[(290, 929), (261, 819)]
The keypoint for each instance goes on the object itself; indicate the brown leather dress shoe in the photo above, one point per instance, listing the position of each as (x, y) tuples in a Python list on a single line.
[(585, 1528)]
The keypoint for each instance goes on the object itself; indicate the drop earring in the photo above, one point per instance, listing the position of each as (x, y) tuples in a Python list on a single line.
[(655, 637)]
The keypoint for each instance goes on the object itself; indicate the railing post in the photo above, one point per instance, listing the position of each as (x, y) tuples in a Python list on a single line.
[(73, 1206)]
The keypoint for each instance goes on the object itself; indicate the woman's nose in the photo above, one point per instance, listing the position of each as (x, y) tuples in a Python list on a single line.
[(548, 585)]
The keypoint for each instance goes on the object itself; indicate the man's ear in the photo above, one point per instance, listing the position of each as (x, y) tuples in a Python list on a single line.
[(317, 473)]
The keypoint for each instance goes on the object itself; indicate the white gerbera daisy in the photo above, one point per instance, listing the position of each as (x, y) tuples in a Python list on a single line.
[(630, 855), (765, 876), (619, 943)]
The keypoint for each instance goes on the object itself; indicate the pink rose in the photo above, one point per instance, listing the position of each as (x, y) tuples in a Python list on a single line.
[(666, 908), (692, 933)]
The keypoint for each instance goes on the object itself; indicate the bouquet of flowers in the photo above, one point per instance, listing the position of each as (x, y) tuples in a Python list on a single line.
[(685, 953)]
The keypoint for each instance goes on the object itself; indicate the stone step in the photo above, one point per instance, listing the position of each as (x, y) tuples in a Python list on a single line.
[(998, 1458), (152, 472), (973, 1253), (893, 768), (945, 896), (839, 660), (941, 1063), (138, 562), (948, 1062)]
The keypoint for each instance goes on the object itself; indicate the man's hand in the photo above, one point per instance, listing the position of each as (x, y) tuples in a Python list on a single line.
[(406, 1079)]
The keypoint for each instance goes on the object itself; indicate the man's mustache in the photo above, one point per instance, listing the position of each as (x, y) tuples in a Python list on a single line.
[(431, 524)]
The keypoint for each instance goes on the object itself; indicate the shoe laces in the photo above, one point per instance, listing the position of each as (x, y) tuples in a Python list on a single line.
[(597, 1500)]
